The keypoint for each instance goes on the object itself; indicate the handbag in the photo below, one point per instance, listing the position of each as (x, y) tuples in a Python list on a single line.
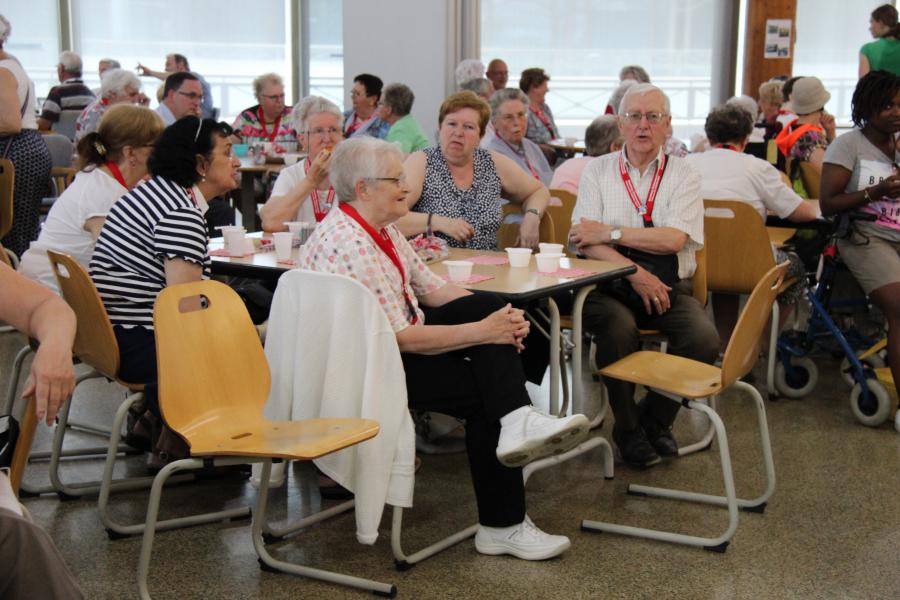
[(664, 266)]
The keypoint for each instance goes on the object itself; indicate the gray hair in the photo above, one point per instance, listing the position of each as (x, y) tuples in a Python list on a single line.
[(399, 98), (5, 30), (642, 89), (260, 82), (480, 86), (358, 159), (745, 102), (600, 135), (637, 72), (470, 68), (313, 105), (70, 62), (116, 80), (505, 95), (110, 63), (616, 99)]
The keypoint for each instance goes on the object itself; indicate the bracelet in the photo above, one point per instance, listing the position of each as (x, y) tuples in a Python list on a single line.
[(866, 195), (428, 230)]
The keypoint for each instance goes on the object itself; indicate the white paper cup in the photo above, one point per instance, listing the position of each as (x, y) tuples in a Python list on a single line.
[(291, 158), (518, 257), (548, 262), (570, 141), (295, 227), (459, 270), (234, 240), (284, 242), (550, 248)]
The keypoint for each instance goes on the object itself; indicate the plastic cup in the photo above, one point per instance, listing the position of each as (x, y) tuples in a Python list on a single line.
[(570, 141), (284, 243), (295, 227), (234, 240), (550, 248), (518, 257), (459, 270), (548, 262)]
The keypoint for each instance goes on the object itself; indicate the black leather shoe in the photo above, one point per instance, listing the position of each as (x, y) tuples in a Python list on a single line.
[(660, 438), (634, 448)]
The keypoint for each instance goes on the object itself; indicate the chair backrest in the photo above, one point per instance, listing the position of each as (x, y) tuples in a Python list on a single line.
[(738, 252), (4, 257), (699, 289), (61, 178), (207, 351), (812, 179), (66, 124), (742, 351), (7, 185), (507, 233), (95, 342), (62, 149), (562, 215)]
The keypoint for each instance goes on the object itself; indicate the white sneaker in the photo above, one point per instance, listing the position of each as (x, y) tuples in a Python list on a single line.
[(528, 435), (523, 541)]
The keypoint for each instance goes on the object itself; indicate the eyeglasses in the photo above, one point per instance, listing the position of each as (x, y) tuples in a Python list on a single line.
[(654, 118), (191, 96), (273, 97), (323, 131)]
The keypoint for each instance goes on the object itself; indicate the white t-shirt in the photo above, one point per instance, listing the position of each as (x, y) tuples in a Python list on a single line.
[(90, 195), (24, 91), (289, 178), (729, 175)]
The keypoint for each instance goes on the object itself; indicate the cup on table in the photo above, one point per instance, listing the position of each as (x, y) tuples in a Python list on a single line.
[(570, 141), (295, 227), (548, 262), (284, 243), (518, 257), (546, 248), (459, 270), (234, 239)]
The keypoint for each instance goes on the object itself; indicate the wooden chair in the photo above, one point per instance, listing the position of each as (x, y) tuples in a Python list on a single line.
[(506, 235), (681, 378), (562, 216), (218, 411), (812, 179), (7, 185), (740, 253)]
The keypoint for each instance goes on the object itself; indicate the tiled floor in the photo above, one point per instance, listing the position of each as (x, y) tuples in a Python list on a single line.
[(830, 530)]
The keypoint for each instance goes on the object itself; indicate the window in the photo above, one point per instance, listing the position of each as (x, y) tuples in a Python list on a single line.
[(833, 58), (326, 50), (583, 44), (34, 40)]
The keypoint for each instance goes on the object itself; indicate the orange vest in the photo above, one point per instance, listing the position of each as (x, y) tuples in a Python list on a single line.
[(789, 135)]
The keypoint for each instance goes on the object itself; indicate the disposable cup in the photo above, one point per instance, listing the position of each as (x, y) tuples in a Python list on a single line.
[(459, 270), (295, 227), (518, 257), (548, 262), (284, 242), (234, 241), (570, 141), (550, 248)]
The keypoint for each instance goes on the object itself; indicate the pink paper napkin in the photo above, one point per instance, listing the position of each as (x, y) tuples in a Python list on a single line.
[(224, 252), (471, 279), (487, 259), (572, 273), (290, 262)]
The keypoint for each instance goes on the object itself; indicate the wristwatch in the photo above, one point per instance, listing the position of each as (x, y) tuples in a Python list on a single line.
[(615, 235)]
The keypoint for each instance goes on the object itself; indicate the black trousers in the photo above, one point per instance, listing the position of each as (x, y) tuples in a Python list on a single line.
[(137, 361), (479, 384)]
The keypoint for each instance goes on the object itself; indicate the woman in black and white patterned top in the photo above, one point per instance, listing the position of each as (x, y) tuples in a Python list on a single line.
[(456, 186), (155, 235)]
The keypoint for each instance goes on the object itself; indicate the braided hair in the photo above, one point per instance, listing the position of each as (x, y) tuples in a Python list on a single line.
[(873, 93)]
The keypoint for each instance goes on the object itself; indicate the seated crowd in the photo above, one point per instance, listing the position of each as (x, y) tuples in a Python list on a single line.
[(137, 217)]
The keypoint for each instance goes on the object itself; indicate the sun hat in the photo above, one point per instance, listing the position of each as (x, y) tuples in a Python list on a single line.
[(809, 96)]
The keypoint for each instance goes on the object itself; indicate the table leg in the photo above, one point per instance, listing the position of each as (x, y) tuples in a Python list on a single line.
[(554, 356), (577, 384), (248, 202)]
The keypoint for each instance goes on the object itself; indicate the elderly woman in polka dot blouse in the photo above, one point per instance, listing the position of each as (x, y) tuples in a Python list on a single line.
[(455, 188)]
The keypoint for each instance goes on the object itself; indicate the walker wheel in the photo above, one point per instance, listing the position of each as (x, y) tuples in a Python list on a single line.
[(799, 380), (870, 362), (876, 409)]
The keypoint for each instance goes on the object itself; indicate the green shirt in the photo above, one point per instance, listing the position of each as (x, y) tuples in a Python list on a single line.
[(884, 54), (409, 134)]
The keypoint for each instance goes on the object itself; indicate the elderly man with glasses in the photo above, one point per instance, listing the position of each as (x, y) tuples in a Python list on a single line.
[(270, 120), (182, 96), (303, 191), (639, 206)]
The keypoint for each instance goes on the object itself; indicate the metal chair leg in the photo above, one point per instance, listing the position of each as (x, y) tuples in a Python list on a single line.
[(16, 373)]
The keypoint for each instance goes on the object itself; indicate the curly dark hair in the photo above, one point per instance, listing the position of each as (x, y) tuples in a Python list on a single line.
[(728, 123), (873, 93), (175, 154)]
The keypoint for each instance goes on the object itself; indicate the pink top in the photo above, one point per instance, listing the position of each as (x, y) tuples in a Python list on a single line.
[(568, 174), (340, 245)]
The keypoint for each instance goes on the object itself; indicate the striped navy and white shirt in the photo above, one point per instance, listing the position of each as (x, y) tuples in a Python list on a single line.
[(155, 221)]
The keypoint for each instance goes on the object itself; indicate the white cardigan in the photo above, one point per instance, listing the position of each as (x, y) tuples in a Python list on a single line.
[(333, 353)]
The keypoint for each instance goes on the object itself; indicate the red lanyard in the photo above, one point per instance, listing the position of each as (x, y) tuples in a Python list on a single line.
[(644, 209), (524, 156), (114, 169), (314, 196), (190, 192), (262, 123), (356, 123), (727, 147), (384, 242), (539, 113)]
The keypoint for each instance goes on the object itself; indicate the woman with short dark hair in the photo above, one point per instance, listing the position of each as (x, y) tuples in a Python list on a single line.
[(541, 126), (363, 118)]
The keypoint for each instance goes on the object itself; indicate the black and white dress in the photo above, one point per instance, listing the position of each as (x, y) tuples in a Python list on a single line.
[(479, 205)]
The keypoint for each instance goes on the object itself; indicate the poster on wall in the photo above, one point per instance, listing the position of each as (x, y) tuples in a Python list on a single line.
[(778, 38)]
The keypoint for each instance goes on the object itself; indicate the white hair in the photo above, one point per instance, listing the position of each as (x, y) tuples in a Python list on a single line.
[(505, 95), (5, 30), (745, 102), (470, 68), (357, 159), (641, 89), (110, 63), (71, 62), (313, 105), (116, 80)]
